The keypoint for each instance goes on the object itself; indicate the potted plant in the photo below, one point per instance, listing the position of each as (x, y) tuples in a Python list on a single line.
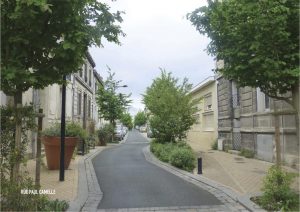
[(51, 140)]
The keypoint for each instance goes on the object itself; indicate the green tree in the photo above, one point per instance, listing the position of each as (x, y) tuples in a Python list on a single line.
[(259, 43), (140, 119), (126, 119), (171, 107), (42, 40), (112, 105)]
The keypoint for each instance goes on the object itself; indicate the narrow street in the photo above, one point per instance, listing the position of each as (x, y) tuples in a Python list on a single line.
[(129, 181)]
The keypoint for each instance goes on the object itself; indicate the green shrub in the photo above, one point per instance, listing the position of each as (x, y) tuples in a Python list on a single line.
[(214, 145), (277, 194), (72, 130), (247, 153), (161, 151), (105, 134), (183, 159), (179, 154)]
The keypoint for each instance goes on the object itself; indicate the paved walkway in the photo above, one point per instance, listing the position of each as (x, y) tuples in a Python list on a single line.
[(244, 175), (66, 190)]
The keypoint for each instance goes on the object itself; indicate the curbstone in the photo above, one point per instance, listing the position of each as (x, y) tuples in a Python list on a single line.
[(88, 186)]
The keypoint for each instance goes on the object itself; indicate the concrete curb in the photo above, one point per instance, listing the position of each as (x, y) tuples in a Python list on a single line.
[(88, 187), (213, 187)]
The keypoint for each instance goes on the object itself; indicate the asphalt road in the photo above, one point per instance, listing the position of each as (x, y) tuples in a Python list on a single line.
[(129, 181)]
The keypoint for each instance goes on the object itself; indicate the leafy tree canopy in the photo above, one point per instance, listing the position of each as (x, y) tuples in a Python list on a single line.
[(42, 40), (258, 41), (170, 106), (140, 119), (126, 119), (111, 104)]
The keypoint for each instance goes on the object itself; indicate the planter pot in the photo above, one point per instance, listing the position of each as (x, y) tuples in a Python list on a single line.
[(52, 150)]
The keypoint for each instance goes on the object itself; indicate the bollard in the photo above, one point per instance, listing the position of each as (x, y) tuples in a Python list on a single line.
[(199, 165)]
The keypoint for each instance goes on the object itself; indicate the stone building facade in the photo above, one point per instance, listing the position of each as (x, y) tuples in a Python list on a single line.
[(81, 103), (245, 121)]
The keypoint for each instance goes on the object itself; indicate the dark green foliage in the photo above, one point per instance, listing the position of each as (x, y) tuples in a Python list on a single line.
[(183, 158), (277, 194), (214, 145), (178, 154), (72, 130), (111, 104), (170, 107), (9, 118), (105, 134), (140, 119), (258, 41), (43, 40), (55, 205), (247, 153)]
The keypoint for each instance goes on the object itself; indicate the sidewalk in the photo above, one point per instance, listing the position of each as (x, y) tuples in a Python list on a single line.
[(66, 190), (242, 174)]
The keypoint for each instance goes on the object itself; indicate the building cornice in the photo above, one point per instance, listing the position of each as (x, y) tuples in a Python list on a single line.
[(90, 59), (83, 84), (202, 84)]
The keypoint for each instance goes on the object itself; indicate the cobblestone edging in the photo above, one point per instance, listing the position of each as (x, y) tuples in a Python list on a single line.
[(88, 187), (231, 199)]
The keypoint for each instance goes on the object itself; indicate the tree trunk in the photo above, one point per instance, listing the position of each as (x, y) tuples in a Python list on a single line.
[(38, 149), (277, 136), (18, 136)]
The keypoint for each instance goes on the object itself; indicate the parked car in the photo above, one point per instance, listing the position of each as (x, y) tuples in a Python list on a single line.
[(119, 132), (143, 129)]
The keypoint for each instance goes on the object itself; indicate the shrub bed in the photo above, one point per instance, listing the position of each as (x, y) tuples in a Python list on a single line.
[(277, 193), (177, 154)]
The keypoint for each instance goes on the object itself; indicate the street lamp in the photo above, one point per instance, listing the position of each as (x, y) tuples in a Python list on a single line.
[(63, 128), (122, 86)]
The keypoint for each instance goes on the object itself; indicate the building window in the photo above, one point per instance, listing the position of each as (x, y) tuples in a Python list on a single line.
[(95, 87), (90, 78), (208, 121), (85, 73), (262, 101), (79, 103), (267, 102), (208, 102), (80, 73), (89, 108)]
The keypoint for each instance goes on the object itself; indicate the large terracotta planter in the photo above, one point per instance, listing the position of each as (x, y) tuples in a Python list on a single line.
[(52, 150)]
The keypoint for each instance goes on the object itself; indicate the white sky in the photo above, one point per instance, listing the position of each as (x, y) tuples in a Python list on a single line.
[(157, 35)]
